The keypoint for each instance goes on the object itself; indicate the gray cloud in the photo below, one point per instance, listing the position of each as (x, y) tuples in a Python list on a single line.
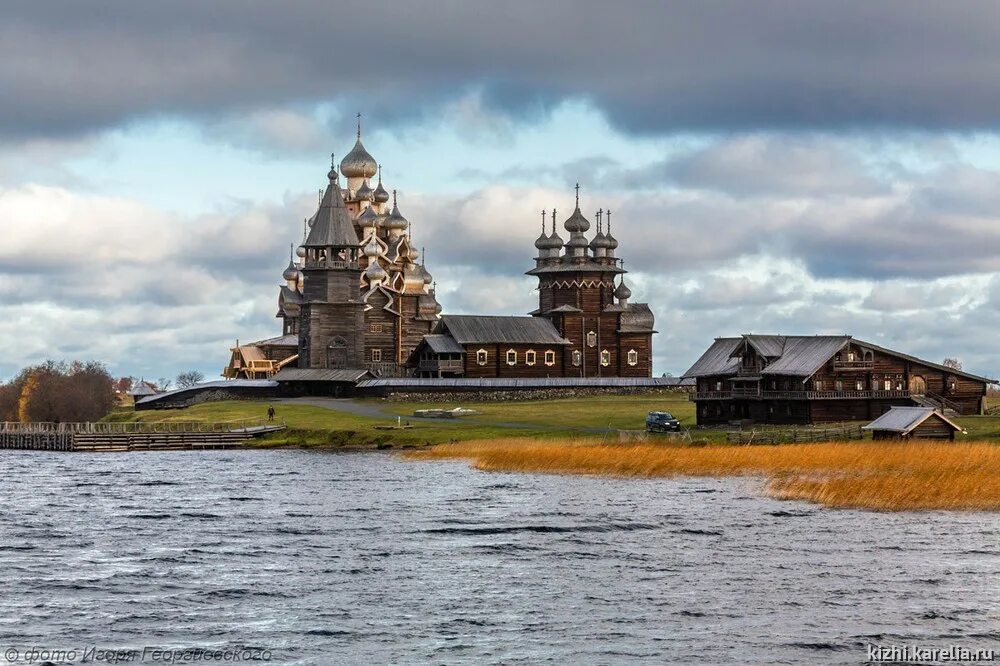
[(68, 67)]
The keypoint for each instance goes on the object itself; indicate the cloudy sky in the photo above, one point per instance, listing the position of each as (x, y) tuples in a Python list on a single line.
[(773, 166)]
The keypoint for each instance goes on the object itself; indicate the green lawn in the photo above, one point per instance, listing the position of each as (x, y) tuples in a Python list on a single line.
[(317, 426), (619, 412), (310, 425)]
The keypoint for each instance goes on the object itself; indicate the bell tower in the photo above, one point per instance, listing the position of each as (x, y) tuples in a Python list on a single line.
[(331, 327)]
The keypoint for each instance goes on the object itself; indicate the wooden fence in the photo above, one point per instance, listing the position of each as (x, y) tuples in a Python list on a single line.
[(147, 436), (794, 435)]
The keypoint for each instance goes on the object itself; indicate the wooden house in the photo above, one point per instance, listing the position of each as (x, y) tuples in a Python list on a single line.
[(913, 423), (808, 379), (477, 346)]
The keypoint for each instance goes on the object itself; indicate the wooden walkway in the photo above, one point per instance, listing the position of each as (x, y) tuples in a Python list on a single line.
[(152, 436)]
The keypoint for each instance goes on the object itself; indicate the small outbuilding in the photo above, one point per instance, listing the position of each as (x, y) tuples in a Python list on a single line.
[(913, 422)]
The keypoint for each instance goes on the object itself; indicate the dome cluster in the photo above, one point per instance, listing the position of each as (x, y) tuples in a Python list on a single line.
[(601, 247)]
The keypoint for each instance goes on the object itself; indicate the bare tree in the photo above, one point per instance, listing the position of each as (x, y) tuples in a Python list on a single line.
[(189, 378), (952, 363), (164, 384)]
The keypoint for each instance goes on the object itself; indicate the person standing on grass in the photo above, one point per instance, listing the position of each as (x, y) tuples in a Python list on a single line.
[(270, 412)]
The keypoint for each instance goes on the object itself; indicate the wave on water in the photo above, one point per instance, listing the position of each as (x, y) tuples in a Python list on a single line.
[(544, 529)]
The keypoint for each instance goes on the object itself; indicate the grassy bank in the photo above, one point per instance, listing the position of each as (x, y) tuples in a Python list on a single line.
[(310, 425), (880, 476), (313, 426)]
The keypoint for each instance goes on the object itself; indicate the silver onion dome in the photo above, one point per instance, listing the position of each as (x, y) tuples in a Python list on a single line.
[(367, 218), (375, 272), (576, 222), (396, 219), (291, 273), (358, 163), (381, 195), (300, 252), (622, 292), (364, 193)]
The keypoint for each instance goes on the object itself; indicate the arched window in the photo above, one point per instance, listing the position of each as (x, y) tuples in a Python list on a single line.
[(511, 357), (530, 357), (482, 357), (591, 339), (550, 357), (633, 357), (577, 357), (605, 357)]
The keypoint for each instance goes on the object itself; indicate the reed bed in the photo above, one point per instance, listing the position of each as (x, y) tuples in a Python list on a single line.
[(885, 476)]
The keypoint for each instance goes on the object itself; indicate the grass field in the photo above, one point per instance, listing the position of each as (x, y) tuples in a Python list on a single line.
[(617, 412), (870, 475), (309, 425), (317, 426)]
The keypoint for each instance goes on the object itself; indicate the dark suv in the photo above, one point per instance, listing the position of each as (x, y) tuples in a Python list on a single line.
[(662, 422)]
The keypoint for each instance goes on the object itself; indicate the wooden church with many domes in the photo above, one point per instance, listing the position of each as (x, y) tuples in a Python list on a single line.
[(356, 302)]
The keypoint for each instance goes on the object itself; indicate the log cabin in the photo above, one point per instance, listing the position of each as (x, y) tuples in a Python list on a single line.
[(913, 423), (822, 378)]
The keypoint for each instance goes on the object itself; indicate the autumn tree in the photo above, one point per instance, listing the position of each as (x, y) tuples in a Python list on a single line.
[(58, 392)]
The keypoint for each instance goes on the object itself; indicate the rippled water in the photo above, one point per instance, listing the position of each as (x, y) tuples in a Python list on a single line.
[(362, 558)]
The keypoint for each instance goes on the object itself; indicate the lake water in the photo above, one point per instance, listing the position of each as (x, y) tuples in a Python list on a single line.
[(325, 558)]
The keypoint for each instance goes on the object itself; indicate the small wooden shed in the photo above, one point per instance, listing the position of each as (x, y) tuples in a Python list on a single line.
[(913, 422)]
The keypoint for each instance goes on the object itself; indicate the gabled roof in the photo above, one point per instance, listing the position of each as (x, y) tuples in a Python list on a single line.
[(717, 359), (565, 308), (442, 343), (906, 419), (796, 355), (769, 346), (802, 355), (480, 329), (929, 364)]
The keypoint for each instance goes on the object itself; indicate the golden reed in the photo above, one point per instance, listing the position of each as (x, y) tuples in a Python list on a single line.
[(887, 476)]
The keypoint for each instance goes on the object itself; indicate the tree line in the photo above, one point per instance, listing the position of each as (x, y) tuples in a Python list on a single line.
[(58, 392)]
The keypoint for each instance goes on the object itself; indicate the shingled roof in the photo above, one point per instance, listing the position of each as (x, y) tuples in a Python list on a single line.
[(795, 355), (332, 226), (481, 329), (905, 419)]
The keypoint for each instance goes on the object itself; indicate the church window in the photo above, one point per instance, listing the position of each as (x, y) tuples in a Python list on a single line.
[(633, 357), (839, 385), (888, 384), (718, 386), (530, 357), (375, 328), (550, 357), (818, 385), (376, 356), (851, 357), (591, 339), (577, 357), (859, 385), (511, 357), (482, 357), (605, 357)]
